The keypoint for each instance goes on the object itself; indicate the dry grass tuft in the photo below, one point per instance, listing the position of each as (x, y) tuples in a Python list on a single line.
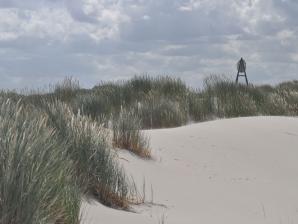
[(127, 134)]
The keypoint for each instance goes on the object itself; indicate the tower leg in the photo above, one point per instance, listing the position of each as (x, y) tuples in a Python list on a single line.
[(246, 79), (237, 77)]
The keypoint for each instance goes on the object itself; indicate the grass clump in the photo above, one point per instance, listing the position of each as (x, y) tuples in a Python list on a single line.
[(92, 104), (35, 175), (96, 168), (162, 97), (224, 98), (127, 134), (95, 160), (158, 111), (67, 89)]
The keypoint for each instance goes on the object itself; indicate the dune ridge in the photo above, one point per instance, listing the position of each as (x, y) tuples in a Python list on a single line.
[(240, 170)]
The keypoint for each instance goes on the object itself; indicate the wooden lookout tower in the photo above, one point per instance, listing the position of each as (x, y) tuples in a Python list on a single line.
[(241, 67)]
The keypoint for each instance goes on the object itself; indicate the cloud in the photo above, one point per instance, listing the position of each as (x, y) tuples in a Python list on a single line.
[(93, 40)]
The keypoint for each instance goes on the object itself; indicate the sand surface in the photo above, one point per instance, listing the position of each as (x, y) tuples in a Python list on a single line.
[(242, 170)]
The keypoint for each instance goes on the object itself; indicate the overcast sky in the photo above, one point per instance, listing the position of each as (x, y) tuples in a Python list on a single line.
[(42, 41)]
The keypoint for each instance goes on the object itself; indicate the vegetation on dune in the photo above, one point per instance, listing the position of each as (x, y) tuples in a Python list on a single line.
[(97, 170), (167, 102), (224, 98), (49, 159), (127, 134), (56, 147), (35, 175), (158, 102)]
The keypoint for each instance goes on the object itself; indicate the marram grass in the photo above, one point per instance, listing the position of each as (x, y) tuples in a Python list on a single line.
[(127, 134), (96, 167), (35, 175)]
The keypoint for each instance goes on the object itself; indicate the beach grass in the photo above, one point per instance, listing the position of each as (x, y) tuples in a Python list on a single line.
[(36, 176)]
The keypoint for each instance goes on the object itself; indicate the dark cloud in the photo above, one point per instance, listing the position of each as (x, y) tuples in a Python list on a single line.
[(43, 41)]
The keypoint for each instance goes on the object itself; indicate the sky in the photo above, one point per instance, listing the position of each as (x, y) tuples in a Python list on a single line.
[(44, 41)]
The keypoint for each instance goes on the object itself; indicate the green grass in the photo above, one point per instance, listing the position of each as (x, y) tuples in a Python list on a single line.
[(35, 175), (167, 102), (157, 111), (96, 168), (50, 158), (127, 134), (223, 98), (67, 89), (157, 97)]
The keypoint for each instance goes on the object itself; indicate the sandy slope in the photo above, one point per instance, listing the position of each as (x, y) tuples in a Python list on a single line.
[(242, 170)]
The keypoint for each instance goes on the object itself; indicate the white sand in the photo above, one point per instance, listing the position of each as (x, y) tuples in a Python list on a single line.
[(232, 171)]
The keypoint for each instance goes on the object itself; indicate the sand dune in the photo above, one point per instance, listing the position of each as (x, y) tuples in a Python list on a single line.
[(242, 170)]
